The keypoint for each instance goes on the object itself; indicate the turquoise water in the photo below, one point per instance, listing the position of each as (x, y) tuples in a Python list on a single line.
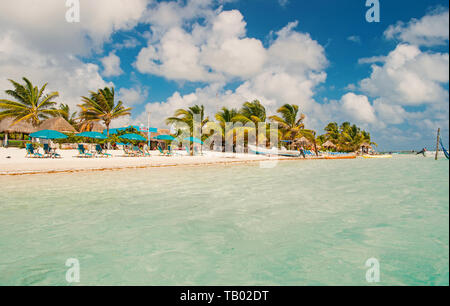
[(301, 223)]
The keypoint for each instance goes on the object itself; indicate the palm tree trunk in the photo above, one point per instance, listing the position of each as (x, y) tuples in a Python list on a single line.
[(107, 135)]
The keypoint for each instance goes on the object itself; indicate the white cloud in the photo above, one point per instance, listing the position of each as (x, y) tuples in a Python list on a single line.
[(286, 72), (358, 108), (432, 29), (133, 96), (283, 3), (409, 77), (111, 65), (66, 74), (354, 38), (38, 43), (372, 60), (41, 25), (128, 43)]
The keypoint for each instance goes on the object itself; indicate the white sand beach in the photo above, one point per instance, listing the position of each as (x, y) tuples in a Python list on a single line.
[(14, 162)]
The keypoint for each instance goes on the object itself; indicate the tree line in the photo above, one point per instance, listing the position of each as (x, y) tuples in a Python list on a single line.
[(31, 104)]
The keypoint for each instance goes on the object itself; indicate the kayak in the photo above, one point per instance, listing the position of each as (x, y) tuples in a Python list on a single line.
[(377, 156)]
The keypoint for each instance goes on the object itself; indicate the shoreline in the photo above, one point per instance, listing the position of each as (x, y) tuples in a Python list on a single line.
[(18, 165)]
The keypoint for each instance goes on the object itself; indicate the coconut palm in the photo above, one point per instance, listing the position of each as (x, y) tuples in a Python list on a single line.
[(188, 117), (64, 111), (30, 103), (289, 123), (252, 112), (223, 117), (311, 136), (100, 106)]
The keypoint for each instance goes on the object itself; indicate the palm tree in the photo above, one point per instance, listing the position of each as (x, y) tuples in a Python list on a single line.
[(64, 111), (252, 112), (311, 136), (332, 130), (188, 116), (31, 104), (100, 106), (289, 123), (223, 117)]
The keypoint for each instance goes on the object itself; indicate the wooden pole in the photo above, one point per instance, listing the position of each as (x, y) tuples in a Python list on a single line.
[(437, 143)]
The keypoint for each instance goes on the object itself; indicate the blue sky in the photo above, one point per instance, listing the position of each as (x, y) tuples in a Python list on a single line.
[(162, 55)]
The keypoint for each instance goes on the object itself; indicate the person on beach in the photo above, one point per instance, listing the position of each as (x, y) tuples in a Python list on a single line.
[(302, 151), (422, 152)]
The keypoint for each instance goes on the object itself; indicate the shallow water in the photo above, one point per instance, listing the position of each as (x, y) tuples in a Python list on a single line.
[(301, 223)]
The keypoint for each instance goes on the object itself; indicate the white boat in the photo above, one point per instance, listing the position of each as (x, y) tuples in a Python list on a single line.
[(273, 151)]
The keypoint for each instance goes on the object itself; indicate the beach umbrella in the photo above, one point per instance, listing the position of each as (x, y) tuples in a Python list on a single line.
[(194, 140), (48, 134), (164, 137), (94, 135), (133, 137)]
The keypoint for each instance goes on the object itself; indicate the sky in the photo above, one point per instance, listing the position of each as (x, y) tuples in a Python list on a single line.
[(389, 77)]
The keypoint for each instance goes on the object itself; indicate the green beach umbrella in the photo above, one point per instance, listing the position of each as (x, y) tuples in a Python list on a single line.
[(48, 134)]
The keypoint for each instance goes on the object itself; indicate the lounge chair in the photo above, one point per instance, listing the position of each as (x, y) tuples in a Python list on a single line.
[(31, 152), (188, 150), (49, 152), (196, 152), (137, 151), (127, 152), (99, 150), (82, 152), (163, 153)]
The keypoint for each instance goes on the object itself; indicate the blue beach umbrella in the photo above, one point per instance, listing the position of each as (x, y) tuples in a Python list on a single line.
[(193, 139), (164, 137), (133, 137), (94, 135), (48, 134)]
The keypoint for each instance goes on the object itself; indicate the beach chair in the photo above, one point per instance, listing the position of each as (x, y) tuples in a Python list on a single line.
[(31, 152), (99, 150), (188, 150), (82, 152), (49, 153), (162, 153), (137, 151), (196, 152)]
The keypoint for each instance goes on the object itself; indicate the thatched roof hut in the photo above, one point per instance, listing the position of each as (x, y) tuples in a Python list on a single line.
[(303, 141), (366, 145), (329, 144), (97, 127), (58, 124), (21, 127)]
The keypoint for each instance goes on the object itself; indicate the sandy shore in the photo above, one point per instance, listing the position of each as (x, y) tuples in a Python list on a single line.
[(14, 162)]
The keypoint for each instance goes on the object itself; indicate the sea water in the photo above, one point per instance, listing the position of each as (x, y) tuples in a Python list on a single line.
[(300, 223)]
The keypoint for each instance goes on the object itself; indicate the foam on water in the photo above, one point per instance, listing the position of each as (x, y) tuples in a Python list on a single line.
[(301, 223)]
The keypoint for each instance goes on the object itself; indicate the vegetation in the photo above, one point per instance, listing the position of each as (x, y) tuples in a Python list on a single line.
[(29, 103), (64, 111), (347, 137), (100, 106)]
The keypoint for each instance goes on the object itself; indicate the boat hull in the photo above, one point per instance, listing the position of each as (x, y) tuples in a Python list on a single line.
[(341, 157), (377, 156)]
